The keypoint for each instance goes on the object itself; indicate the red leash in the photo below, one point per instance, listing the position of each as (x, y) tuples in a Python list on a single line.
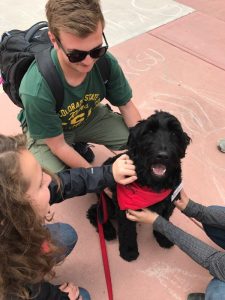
[(102, 204)]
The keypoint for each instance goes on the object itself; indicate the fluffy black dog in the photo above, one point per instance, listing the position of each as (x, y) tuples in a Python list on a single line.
[(156, 145)]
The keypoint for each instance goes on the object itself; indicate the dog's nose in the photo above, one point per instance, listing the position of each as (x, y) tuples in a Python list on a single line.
[(162, 155)]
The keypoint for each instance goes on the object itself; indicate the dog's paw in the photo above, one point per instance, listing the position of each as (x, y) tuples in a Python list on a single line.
[(162, 240), (129, 254), (165, 243), (92, 215), (109, 231)]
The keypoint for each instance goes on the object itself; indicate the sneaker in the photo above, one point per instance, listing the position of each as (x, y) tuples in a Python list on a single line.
[(84, 150), (221, 145), (196, 296)]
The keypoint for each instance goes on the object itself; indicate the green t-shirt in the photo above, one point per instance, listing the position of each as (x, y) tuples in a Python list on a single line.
[(79, 102)]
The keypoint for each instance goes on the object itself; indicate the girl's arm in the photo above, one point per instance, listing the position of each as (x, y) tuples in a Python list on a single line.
[(212, 215), (205, 255), (80, 181)]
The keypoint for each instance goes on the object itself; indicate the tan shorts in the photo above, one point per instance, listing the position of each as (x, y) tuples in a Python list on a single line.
[(104, 127)]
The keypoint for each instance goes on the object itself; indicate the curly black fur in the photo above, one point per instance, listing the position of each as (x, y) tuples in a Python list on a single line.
[(156, 141)]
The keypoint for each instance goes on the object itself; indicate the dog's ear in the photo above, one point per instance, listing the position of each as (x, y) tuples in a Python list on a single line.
[(186, 141), (135, 133)]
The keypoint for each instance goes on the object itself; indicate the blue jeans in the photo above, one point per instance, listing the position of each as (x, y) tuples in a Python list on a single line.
[(216, 288), (66, 237)]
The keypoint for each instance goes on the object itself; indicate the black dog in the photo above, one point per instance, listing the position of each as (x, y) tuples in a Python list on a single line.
[(156, 145)]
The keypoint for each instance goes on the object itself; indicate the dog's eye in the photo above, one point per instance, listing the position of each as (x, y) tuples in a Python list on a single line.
[(152, 128), (173, 133), (149, 131)]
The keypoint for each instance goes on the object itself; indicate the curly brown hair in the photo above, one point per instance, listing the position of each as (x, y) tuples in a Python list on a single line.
[(22, 233), (80, 17)]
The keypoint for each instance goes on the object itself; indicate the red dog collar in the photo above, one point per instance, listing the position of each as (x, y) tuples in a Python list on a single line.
[(133, 196)]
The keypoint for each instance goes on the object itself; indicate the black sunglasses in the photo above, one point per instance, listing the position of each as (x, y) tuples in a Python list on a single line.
[(75, 56)]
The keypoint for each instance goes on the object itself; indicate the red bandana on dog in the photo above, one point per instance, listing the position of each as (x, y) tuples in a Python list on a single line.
[(133, 196)]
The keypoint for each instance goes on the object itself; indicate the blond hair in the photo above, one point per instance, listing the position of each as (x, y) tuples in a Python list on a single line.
[(79, 17)]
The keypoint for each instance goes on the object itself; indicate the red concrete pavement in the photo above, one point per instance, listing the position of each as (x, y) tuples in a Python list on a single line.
[(178, 67)]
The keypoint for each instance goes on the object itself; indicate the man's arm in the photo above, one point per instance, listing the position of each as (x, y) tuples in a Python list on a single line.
[(205, 255), (66, 153), (212, 215), (130, 114), (80, 181)]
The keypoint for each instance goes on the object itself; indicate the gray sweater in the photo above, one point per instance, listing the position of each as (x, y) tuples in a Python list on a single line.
[(205, 255)]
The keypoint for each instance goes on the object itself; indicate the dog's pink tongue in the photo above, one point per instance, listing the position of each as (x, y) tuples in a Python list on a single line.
[(159, 169)]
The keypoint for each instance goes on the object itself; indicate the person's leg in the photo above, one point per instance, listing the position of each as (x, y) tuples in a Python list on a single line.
[(215, 290), (217, 235), (44, 155), (104, 127), (84, 293), (48, 160), (196, 296), (64, 235)]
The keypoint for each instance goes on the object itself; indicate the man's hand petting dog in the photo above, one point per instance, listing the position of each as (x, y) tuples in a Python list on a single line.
[(124, 170)]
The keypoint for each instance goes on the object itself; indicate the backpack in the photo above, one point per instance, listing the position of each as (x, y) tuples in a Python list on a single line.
[(18, 49)]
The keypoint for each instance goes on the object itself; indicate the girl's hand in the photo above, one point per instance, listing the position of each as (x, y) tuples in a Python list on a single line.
[(144, 216), (72, 290), (123, 170), (182, 202)]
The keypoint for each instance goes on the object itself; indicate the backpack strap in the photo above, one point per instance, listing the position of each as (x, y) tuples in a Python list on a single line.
[(51, 75), (104, 68), (34, 29)]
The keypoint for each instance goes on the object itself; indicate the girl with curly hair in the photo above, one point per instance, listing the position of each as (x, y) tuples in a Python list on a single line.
[(29, 248)]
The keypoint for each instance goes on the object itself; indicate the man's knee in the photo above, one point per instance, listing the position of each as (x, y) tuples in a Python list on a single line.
[(46, 158), (68, 235)]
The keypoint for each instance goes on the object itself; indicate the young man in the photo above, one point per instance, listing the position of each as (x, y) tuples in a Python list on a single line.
[(76, 32)]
